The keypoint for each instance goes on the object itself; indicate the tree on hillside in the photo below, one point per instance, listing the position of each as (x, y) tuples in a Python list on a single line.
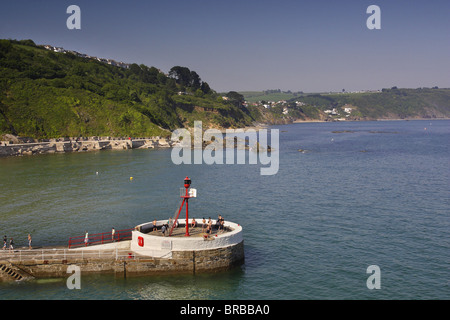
[(146, 74), (236, 98), (205, 87), (182, 75), (195, 81), (189, 79)]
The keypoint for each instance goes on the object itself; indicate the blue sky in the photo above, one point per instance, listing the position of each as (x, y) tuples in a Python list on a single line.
[(310, 46)]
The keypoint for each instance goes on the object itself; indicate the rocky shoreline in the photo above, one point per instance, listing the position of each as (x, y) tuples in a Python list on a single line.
[(11, 145), (15, 146)]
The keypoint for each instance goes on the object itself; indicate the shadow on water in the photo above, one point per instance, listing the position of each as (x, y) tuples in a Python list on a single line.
[(155, 287), (182, 286), (254, 258)]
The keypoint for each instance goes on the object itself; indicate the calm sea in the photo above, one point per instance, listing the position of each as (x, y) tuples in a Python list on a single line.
[(360, 194)]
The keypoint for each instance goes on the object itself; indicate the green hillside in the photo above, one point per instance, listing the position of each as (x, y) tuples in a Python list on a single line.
[(44, 94), (269, 95), (398, 103), (394, 103)]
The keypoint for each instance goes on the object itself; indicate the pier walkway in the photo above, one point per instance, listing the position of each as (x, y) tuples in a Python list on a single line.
[(24, 263), (100, 246), (64, 254)]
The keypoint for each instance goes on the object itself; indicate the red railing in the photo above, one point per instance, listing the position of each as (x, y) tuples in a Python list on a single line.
[(100, 238)]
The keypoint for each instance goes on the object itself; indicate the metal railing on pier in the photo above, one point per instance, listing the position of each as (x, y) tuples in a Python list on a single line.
[(67, 255), (100, 238)]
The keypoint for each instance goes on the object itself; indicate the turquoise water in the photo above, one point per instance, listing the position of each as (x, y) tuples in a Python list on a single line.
[(363, 193)]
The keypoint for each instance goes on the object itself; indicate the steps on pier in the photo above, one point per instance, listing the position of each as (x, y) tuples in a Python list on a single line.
[(11, 273)]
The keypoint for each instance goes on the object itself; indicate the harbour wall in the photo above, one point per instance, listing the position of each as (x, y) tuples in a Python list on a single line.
[(15, 147), (180, 262), (144, 254)]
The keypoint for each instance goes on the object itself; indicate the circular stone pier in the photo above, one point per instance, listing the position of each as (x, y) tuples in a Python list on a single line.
[(154, 248), (199, 252), (149, 252), (149, 242)]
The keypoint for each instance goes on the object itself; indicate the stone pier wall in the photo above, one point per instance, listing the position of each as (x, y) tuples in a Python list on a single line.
[(187, 262)]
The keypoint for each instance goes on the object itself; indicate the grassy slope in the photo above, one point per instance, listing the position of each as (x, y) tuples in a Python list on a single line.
[(45, 94)]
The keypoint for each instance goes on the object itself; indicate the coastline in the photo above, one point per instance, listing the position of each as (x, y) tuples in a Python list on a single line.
[(19, 146), (24, 146), (367, 120), (413, 119), (308, 121)]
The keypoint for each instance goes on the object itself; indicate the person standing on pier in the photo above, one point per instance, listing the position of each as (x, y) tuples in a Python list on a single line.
[(204, 225), (29, 242), (113, 233), (5, 240), (86, 239), (209, 227)]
